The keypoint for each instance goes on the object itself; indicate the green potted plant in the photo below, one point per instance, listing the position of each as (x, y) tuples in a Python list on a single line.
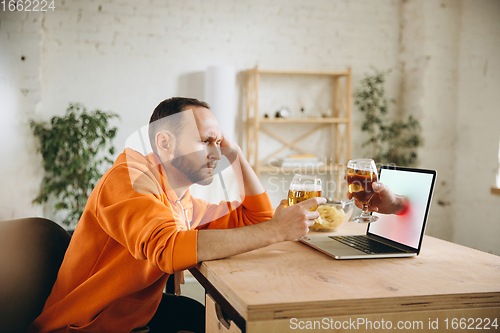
[(75, 150), (390, 141)]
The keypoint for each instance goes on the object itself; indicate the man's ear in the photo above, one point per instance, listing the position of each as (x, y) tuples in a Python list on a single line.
[(165, 142)]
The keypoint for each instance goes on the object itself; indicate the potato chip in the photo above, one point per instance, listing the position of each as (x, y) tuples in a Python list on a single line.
[(330, 218)]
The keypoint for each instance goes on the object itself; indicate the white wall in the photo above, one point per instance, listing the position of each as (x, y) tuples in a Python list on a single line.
[(126, 56), (20, 93), (429, 61), (450, 58), (477, 211)]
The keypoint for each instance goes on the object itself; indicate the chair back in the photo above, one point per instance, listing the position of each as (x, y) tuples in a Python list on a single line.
[(31, 252)]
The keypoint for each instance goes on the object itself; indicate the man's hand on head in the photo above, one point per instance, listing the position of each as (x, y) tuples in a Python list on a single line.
[(226, 142), (229, 148)]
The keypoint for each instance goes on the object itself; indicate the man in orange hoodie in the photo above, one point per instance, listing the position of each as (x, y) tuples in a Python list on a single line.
[(141, 225)]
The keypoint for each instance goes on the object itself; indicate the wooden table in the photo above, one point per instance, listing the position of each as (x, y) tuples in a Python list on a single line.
[(288, 286)]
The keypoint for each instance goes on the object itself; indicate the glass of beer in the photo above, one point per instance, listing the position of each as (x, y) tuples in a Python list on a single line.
[(361, 174), (304, 187)]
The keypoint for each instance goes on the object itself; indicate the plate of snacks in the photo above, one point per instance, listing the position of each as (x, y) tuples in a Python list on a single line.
[(332, 215)]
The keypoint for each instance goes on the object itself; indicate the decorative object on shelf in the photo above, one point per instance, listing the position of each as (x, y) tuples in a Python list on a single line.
[(284, 112), (390, 141), (75, 151), (302, 109), (327, 113)]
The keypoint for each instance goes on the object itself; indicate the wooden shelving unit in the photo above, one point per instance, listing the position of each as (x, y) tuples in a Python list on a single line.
[(256, 124)]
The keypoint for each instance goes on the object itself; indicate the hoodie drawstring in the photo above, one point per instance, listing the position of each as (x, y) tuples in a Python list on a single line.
[(179, 276)]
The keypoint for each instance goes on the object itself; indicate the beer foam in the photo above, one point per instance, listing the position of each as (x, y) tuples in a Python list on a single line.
[(363, 168), (362, 165), (305, 187)]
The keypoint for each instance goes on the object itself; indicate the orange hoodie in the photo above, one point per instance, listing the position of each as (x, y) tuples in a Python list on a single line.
[(133, 234)]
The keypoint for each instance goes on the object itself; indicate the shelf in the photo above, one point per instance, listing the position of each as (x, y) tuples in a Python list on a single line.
[(495, 190), (314, 73), (302, 120), (337, 129)]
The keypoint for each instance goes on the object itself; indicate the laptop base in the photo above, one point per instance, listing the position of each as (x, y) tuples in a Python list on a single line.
[(338, 250)]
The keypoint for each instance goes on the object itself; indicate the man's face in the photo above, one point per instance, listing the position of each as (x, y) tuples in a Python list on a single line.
[(196, 154)]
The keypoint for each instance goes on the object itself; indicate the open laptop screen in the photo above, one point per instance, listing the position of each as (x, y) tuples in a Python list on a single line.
[(417, 185)]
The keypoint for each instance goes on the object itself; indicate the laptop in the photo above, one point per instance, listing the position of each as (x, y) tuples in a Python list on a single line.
[(392, 236)]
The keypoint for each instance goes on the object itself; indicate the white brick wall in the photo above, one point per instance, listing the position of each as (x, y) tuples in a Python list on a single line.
[(128, 55), (429, 59), (20, 92), (476, 211)]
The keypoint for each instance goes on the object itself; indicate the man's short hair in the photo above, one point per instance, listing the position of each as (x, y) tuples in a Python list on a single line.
[(167, 108)]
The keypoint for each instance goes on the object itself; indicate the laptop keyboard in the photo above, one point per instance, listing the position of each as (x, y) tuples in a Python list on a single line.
[(366, 244)]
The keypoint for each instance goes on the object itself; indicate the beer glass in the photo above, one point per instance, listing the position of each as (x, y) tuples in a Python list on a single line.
[(304, 187), (361, 173)]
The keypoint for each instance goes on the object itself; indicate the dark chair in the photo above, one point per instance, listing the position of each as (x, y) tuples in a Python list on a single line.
[(31, 252)]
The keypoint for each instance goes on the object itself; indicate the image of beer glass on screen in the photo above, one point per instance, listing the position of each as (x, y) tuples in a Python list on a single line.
[(304, 187), (361, 173)]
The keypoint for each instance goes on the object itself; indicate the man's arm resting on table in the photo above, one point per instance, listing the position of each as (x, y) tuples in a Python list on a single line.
[(288, 223)]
